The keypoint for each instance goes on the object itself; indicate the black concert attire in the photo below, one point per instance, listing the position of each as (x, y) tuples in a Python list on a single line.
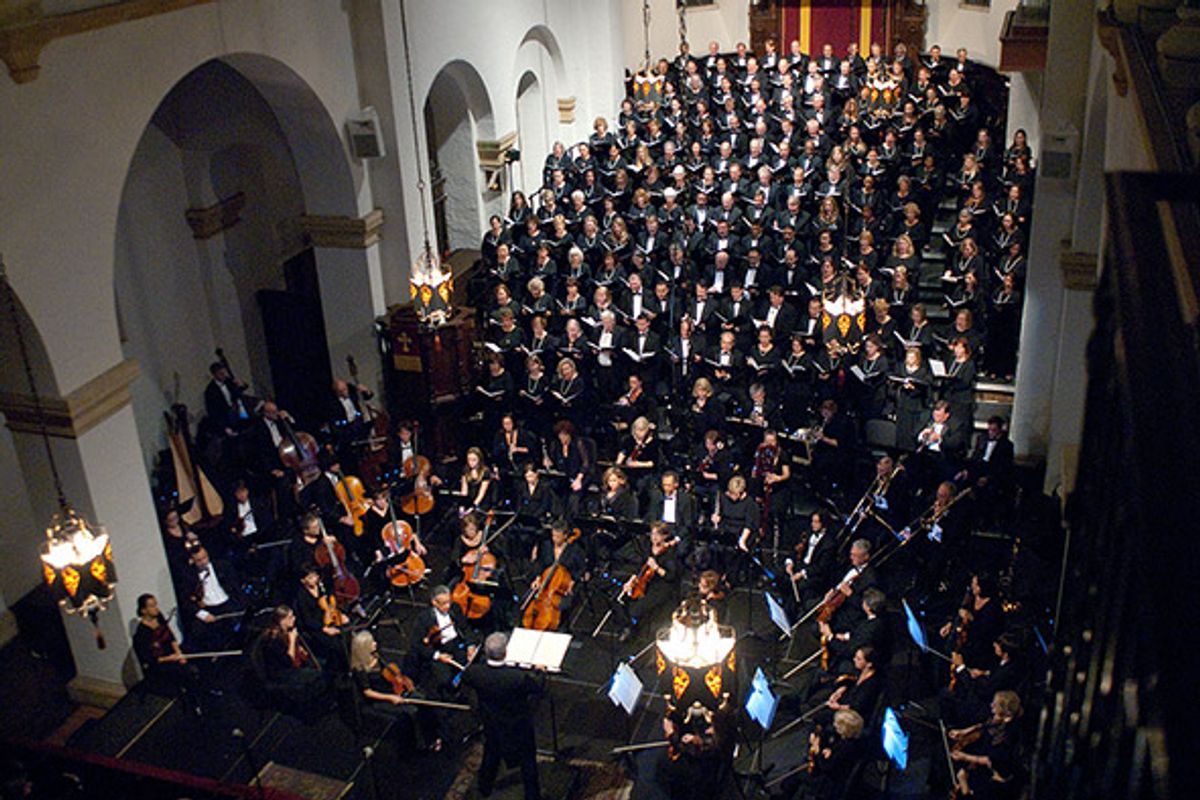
[(505, 700)]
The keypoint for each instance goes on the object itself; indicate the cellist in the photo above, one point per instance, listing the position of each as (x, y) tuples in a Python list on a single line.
[(378, 515), (557, 562)]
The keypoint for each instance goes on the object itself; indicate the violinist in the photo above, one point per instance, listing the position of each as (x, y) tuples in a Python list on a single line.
[(319, 619), (288, 666), (988, 755), (713, 591), (211, 598), (163, 663), (247, 518), (635, 403), (385, 691), (442, 643), (973, 630), (658, 579), (860, 695), (640, 454), (852, 585), (871, 631), (834, 754)]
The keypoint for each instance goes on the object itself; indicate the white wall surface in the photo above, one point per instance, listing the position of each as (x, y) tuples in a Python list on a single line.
[(726, 22), (952, 26)]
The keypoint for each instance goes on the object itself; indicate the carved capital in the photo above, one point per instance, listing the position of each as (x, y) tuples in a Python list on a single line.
[(491, 151), (350, 233), (566, 110), (81, 410), (208, 222), (1107, 30)]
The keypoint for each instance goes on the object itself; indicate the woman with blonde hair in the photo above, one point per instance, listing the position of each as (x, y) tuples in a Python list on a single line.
[(382, 697)]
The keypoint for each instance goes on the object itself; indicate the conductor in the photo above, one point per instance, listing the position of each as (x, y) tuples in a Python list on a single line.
[(504, 697)]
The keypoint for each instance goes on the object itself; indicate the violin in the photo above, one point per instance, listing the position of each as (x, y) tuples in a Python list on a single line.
[(543, 609), (478, 566), (398, 536), (401, 683), (332, 554), (646, 574), (352, 496), (958, 635), (834, 599)]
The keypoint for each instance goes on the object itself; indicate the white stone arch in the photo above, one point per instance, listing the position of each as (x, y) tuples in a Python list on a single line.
[(241, 122), (539, 76), (457, 115)]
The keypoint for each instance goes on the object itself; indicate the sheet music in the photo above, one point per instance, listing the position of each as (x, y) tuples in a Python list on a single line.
[(530, 648)]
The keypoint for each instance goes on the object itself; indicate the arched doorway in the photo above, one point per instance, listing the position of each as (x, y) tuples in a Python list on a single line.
[(531, 130), (458, 113), (211, 252)]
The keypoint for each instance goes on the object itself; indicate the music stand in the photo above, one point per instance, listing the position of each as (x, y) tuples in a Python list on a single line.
[(917, 631), (625, 688), (528, 649), (778, 614)]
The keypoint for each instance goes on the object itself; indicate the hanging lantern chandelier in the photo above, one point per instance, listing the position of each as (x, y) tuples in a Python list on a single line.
[(77, 559)]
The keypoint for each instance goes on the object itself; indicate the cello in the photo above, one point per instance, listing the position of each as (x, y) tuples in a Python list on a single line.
[(352, 496), (543, 608), (420, 499), (333, 555), (479, 565), (398, 536)]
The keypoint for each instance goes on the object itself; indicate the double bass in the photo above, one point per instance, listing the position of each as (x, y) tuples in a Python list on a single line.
[(543, 608), (398, 536), (299, 452), (374, 451)]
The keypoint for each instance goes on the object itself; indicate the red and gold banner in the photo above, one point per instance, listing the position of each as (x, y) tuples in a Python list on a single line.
[(837, 22)]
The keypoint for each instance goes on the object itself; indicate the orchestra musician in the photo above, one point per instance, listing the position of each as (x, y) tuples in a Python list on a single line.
[(226, 410), (660, 575), (441, 643), (164, 664), (989, 764), (833, 752), (287, 666), (319, 620), (211, 598), (671, 504), (558, 550), (386, 693), (813, 569), (736, 520)]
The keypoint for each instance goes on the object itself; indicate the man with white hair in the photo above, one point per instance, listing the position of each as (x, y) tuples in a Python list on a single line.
[(505, 696)]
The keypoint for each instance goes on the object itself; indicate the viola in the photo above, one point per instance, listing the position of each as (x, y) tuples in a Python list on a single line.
[(331, 554), (543, 610), (398, 536), (333, 616), (352, 496), (401, 683)]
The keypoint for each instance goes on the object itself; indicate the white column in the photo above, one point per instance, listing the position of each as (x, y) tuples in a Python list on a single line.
[(1062, 113), (104, 478)]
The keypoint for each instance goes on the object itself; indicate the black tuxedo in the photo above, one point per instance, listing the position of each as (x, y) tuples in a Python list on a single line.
[(685, 512), (224, 413)]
